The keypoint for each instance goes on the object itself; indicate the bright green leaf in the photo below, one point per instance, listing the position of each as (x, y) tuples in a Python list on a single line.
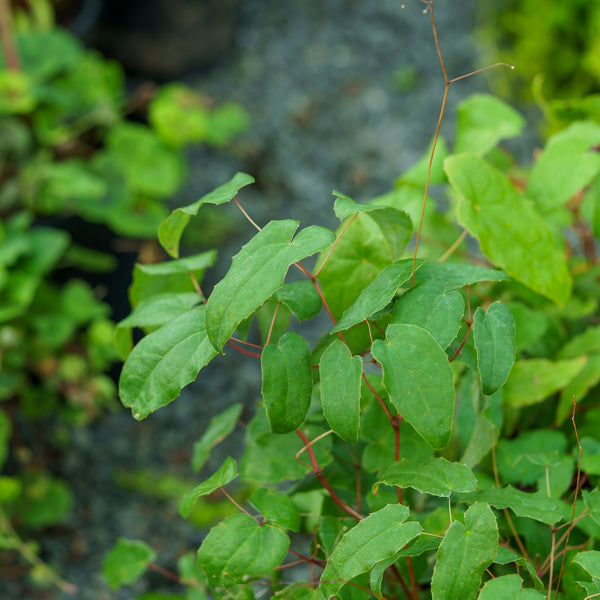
[(435, 476), (565, 166), (505, 587), (224, 474), (592, 503), (372, 241), (377, 295), (419, 380), (286, 382), (341, 374), (164, 362), (433, 308), (239, 550), (257, 272), (218, 429), (377, 537), (126, 562), (170, 231), (510, 231), (464, 554), (494, 335), (533, 380), (482, 121), (481, 441)]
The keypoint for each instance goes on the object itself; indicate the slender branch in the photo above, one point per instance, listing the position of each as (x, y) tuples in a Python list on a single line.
[(454, 246), (337, 239), (197, 286), (319, 474), (9, 49), (273, 321), (246, 214), (242, 350)]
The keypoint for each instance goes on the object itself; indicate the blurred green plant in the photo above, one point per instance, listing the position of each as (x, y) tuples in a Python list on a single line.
[(555, 48), (72, 146)]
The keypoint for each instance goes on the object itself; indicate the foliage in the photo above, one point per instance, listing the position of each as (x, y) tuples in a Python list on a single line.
[(423, 444), (556, 52), (74, 152)]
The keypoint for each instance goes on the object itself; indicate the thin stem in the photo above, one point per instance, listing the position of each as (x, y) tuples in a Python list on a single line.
[(197, 286), (451, 250), (246, 214), (238, 505), (551, 575), (562, 564), (243, 350), (401, 581), (9, 49), (337, 239), (319, 474), (32, 558), (273, 321)]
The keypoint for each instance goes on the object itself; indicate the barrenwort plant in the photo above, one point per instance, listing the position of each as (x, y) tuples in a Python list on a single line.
[(429, 445)]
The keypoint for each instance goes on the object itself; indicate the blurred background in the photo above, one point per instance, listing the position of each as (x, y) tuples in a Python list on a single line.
[(112, 113)]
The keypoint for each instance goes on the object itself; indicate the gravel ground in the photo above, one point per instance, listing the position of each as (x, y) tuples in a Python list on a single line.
[(342, 94)]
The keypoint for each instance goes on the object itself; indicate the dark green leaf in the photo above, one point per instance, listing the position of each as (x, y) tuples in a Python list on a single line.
[(257, 272), (534, 505), (511, 233), (592, 503), (286, 382), (464, 554), (377, 537), (224, 474), (494, 335), (301, 297), (170, 231), (239, 550), (218, 429), (126, 562), (276, 507), (377, 295), (419, 381), (505, 587), (164, 362), (435, 476), (481, 441), (340, 374), (455, 275), (433, 308)]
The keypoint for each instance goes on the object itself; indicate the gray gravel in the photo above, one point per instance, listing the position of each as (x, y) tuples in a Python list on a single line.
[(320, 81)]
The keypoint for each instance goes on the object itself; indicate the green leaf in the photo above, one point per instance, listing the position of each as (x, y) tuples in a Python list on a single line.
[(579, 387), (417, 174), (218, 429), (511, 233), (286, 382), (172, 276), (464, 554), (531, 381), (239, 550), (494, 336), (276, 507), (150, 167), (372, 241), (377, 295), (164, 362), (565, 166), (340, 375), (377, 537), (534, 505), (592, 503), (419, 380), (170, 231), (456, 275), (432, 307), (126, 562), (435, 476), (505, 587), (505, 555), (153, 312), (481, 441), (301, 297), (224, 474), (257, 272), (482, 121), (344, 206)]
